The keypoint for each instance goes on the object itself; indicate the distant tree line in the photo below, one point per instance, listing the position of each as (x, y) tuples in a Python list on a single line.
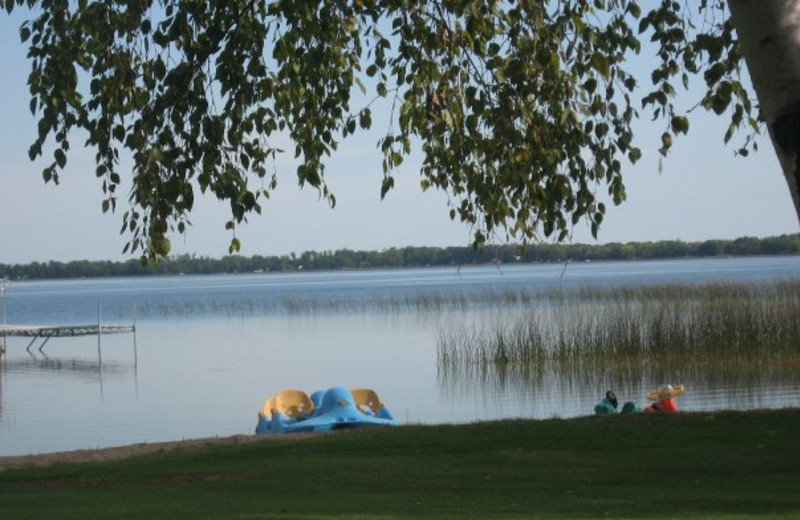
[(409, 257)]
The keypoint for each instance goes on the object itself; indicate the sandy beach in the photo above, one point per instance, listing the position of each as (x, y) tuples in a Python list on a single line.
[(124, 452)]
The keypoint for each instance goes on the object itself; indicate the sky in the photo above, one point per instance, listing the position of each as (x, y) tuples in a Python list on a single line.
[(702, 192)]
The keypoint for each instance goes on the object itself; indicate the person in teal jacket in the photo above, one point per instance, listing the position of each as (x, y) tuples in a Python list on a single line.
[(608, 405)]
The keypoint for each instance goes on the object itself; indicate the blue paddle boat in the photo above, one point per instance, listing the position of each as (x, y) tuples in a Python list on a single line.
[(293, 411)]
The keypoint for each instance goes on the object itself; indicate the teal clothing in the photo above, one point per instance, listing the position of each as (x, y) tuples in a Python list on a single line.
[(604, 407)]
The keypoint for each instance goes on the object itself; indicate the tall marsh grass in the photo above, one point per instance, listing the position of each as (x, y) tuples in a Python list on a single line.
[(604, 327), (425, 301)]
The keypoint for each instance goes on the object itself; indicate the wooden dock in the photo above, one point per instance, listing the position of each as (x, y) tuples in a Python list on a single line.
[(60, 331), (45, 332)]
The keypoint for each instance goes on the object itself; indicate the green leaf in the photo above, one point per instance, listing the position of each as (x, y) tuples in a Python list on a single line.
[(600, 64), (119, 133), (388, 184), (666, 141), (680, 124), (365, 119), (361, 85), (397, 159), (61, 158)]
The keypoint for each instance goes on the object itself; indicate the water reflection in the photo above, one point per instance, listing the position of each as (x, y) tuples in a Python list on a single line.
[(550, 389), (46, 366), (52, 377)]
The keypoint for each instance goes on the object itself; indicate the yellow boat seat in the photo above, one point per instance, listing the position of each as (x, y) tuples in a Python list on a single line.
[(269, 408), (366, 400), (293, 403)]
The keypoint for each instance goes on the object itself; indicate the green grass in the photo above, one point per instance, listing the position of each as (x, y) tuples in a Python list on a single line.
[(723, 465)]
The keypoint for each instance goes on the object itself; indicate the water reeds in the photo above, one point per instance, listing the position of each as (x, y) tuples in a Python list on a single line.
[(605, 327), (424, 301)]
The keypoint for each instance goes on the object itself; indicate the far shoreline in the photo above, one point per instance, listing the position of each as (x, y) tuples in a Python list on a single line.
[(407, 257)]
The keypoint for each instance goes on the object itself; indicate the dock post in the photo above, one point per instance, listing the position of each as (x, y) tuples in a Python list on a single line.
[(28, 348), (135, 354), (3, 347), (135, 351), (99, 321)]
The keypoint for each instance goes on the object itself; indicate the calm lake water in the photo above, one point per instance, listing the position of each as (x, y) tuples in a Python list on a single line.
[(209, 349)]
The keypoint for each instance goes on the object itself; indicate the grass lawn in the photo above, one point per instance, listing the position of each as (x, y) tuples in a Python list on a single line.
[(720, 465)]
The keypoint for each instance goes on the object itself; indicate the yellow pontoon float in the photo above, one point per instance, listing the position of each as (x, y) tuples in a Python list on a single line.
[(294, 411)]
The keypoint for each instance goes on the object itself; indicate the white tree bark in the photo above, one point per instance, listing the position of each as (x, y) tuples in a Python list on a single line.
[(769, 35)]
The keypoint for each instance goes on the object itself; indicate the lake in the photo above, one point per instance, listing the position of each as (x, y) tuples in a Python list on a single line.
[(208, 350)]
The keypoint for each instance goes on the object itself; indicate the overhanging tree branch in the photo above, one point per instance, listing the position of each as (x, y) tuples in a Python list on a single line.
[(522, 109)]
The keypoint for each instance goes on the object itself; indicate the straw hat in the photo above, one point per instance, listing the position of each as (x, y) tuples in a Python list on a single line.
[(665, 392)]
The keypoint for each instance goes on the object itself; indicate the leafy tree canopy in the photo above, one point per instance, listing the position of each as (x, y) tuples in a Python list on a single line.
[(523, 109)]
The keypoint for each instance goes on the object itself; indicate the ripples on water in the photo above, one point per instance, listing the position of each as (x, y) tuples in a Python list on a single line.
[(208, 350), (565, 392)]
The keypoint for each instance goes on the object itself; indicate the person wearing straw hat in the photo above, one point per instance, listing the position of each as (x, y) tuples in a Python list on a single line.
[(664, 397)]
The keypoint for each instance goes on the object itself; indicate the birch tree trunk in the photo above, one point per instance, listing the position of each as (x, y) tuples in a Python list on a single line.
[(769, 35)]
